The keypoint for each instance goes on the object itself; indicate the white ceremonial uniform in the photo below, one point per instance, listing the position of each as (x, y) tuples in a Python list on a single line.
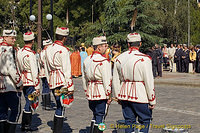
[(97, 77), (132, 77), (9, 74), (59, 66), (28, 67), (42, 64)]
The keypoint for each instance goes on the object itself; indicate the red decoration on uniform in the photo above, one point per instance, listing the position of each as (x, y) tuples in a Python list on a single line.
[(63, 28), (153, 96), (134, 33), (28, 33)]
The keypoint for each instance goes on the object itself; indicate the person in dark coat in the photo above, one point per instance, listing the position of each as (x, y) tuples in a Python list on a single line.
[(177, 57), (198, 59), (185, 59), (151, 52), (159, 56)]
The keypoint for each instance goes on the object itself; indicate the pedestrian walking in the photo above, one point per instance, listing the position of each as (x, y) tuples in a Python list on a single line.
[(177, 57), (171, 52), (10, 84), (165, 55), (28, 67), (193, 57), (75, 59), (59, 71), (159, 56), (185, 59), (90, 50), (133, 85), (198, 59), (46, 93), (97, 80), (83, 55)]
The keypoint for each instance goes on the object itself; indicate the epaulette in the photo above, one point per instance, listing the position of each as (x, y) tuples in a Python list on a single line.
[(29, 50), (101, 60), (144, 55), (66, 47)]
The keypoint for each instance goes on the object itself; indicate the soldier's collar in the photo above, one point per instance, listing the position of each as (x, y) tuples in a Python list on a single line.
[(133, 49), (26, 46), (59, 42), (96, 52), (5, 44)]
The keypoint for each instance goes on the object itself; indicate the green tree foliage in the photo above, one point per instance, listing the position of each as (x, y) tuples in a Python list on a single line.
[(195, 24), (158, 21)]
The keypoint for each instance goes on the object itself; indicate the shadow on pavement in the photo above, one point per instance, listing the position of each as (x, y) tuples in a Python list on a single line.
[(66, 127), (86, 130), (37, 121)]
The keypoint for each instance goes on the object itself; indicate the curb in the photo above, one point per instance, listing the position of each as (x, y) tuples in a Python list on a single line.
[(177, 83)]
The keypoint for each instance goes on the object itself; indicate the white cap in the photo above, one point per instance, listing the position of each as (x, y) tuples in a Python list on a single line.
[(47, 42), (184, 45), (9, 33), (1, 39), (28, 36), (99, 40), (62, 31), (134, 37)]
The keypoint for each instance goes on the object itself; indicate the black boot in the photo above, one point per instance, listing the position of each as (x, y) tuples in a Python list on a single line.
[(26, 122), (11, 128), (96, 129), (44, 102), (92, 126), (3, 127), (58, 124), (48, 102)]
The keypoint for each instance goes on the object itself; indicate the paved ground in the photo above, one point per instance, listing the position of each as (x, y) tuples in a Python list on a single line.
[(177, 105)]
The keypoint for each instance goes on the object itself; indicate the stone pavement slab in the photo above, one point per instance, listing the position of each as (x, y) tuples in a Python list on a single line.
[(185, 79), (176, 105)]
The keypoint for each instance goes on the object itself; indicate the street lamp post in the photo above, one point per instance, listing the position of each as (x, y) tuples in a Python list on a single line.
[(49, 17), (39, 30), (52, 20), (30, 7)]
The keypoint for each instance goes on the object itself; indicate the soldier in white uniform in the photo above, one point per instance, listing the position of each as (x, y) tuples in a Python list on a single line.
[(29, 69), (1, 40), (10, 84), (133, 84), (59, 72), (97, 81), (46, 97)]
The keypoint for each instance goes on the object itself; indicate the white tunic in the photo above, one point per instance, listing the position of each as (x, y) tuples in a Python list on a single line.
[(132, 77), (59, 66), (42, 62), (97, 77), (9, 74), (28, 67)]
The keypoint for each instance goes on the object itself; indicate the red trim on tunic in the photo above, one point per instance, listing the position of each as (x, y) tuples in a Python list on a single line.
[(5, 44), (58, 42), (133, 49), (144, 55), (95, 52), (28, 48), (153, 96), (61, 44)]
